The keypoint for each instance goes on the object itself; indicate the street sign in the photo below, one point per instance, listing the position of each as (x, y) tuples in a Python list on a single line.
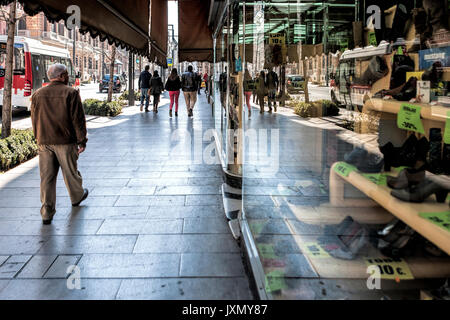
[(169, 62)]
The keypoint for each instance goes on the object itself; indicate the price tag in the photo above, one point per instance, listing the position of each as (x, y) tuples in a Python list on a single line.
[(408, 118), (373, 39), (394, 269), (275, 281), (398, 169), (313, 249), (441, 219), (447, 129), (377, 178), (266, 251), (257, 227), (343, 168)]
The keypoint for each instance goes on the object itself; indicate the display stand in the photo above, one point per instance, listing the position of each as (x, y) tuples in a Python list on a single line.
[(405, 211)]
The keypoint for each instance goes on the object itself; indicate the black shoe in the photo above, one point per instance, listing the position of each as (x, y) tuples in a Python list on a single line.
[(190, 113), (47, 222), (85, 195), (176, 114), (146, 110), (419, 193), (170, 113)]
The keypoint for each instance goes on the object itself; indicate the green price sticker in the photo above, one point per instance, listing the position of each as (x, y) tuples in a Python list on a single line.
[(441, 219), (275, 281), (373, 39), (408, 118), (266, 251), (447, 129), (398, 169), (377, 178), (343, 168)]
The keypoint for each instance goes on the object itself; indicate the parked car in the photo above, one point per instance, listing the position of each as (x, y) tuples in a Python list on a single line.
[(295, 83), (119, 83)]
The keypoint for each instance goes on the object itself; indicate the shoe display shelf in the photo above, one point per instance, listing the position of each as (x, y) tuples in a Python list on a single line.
[(433, 116), (406, 211)]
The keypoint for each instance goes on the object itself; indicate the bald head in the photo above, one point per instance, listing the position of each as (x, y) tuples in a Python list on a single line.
[(56, 72)]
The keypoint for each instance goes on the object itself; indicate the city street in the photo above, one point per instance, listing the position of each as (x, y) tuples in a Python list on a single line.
[(21, 119)]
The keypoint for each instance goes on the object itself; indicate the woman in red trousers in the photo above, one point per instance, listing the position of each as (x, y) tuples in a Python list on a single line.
[(173, 85)]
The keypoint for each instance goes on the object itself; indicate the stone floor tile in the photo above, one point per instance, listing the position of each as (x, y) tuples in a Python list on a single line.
[(211, 265), (186, 243), (37, 266), (206, 225), (60, 267), (13, 265), (129, 265), (185, 289), (147, 226)]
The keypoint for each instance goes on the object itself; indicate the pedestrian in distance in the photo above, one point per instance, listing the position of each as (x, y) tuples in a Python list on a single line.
[(173, 85), (206, 79), (156, 88), (272, 87), (223, 87), (59, 125), (199, 82), (261, 90), (144, 85), (189, 85), (248, 87)]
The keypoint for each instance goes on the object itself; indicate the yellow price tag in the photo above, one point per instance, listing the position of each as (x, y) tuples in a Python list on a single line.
[(393, 269)]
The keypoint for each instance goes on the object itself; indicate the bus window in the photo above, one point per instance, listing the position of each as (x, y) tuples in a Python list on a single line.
[(19, 59), (38, 71)]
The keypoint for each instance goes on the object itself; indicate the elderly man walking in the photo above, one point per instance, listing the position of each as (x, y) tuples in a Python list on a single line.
[(59, 125)]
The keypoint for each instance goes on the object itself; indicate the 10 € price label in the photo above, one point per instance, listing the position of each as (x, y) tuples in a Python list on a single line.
[(393, 269)]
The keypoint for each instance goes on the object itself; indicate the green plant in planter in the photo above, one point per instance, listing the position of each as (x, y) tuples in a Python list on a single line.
[(305, 110), (328, 107), (124, 95), (18, 147), (96, 107)]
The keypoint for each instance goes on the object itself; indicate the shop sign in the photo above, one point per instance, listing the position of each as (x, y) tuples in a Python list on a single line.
[(275, 281), (169, 62), (277, 39), (447, 129), (441, 219), (343, 168), (408, 118), (393, 269), (429, 56)]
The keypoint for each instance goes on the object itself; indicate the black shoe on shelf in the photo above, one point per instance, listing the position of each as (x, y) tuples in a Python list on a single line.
[(85, 195), (420, 192), (406, 178)]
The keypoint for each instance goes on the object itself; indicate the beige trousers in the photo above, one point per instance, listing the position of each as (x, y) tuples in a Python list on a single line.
[(51, 157), (190, 98)]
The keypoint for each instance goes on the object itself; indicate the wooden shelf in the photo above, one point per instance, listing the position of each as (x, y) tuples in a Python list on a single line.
[(334, 268), (405, 211), (429, 112)]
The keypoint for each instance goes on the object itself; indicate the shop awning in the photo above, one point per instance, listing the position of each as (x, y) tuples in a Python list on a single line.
[(159, 31), (195, 37), (119, 22)]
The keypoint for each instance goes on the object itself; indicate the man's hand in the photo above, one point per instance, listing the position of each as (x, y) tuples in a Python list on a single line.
[(81, 149)]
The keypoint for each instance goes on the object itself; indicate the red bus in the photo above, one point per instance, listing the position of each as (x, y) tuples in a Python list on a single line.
[(31, 61)]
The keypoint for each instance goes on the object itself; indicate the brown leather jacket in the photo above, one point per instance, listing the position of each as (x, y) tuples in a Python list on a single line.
[(57, 115)]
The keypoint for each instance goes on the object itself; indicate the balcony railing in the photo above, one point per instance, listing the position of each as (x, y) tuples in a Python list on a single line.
[(49, 35), (23, 33)]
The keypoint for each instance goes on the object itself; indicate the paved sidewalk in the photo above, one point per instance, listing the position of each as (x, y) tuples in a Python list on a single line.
[(153, 226)]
